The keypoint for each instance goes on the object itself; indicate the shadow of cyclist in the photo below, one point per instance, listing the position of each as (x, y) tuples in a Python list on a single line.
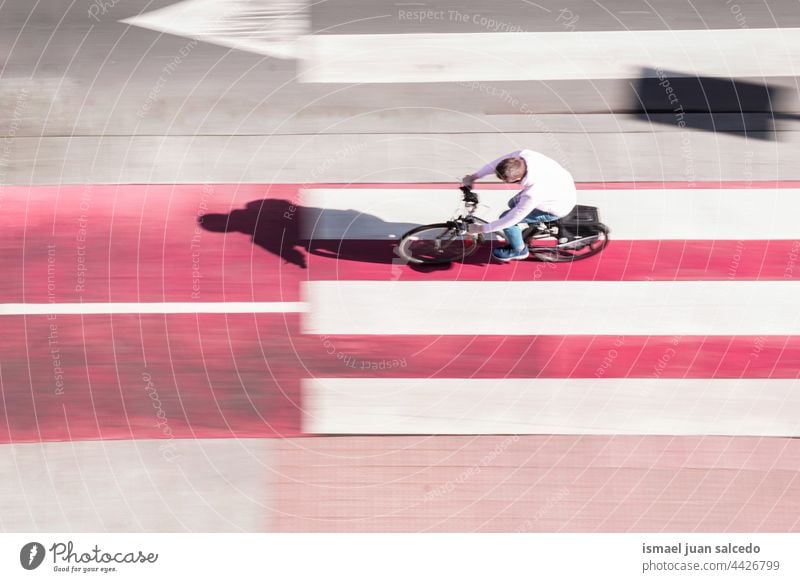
[(287, 230), (272, 223)]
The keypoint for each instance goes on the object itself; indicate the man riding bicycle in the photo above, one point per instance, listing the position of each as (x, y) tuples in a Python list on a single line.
[(548, 193)]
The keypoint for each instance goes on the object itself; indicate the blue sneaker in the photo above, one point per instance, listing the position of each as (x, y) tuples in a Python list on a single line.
[(506, 254)]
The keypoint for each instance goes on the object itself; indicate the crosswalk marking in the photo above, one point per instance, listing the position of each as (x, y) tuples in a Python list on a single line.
[(282, 28), (486, 57), (642, 406), (664, 214), (553, 307)]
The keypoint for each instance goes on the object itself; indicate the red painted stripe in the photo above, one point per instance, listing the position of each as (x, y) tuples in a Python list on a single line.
[(572, 356), (217, 376), (620, 261), (143, 243), (213, 376)]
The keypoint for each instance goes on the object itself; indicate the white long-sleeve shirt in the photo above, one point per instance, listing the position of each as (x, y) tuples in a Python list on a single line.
[(546, 186)]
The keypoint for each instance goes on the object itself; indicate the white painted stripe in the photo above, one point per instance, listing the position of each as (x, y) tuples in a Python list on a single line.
[(658, 214), (622, 54), (168, 485), (607, 406), (266, 27), (553, 307), (98, 308)]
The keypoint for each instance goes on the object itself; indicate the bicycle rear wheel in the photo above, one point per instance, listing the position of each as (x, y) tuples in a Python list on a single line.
[(435, 244), (576, 250)]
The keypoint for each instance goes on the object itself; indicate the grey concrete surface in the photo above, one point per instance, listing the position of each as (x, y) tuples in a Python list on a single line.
[(66, 75), (613, 156), (130, 486), (386, 16)]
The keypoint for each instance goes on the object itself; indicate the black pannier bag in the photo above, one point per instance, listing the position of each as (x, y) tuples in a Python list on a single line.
[(579, 223)]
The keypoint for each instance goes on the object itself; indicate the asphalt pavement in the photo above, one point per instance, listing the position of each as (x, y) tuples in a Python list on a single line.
[(85, 97)]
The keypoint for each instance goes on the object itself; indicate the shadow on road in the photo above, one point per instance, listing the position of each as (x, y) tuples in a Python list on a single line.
[(291, 231), (706, 103)]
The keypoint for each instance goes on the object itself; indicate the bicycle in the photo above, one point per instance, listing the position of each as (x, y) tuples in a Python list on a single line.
[(577, 236)]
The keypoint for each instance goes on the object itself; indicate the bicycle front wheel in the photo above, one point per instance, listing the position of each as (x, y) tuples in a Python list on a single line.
[(435, 244)]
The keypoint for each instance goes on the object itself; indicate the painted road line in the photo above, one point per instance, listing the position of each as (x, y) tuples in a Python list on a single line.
[(632, 214), (282, 29), (633, 406), (236, 376), (134, 308), (263, 27), (553, 307), (486, 57)]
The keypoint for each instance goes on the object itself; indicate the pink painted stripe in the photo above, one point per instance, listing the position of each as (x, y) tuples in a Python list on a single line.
[(218, 376), (539, 484), (130, 377), (143, 243), (621, 261), (572, 356)]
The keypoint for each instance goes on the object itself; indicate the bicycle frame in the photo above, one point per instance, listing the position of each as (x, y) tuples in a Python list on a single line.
[(455, 232)]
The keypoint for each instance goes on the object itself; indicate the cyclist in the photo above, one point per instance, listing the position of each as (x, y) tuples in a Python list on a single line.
[(548, 193)]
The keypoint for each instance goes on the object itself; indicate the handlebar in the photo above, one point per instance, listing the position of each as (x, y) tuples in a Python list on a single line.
[(470, 197), (471, 202)]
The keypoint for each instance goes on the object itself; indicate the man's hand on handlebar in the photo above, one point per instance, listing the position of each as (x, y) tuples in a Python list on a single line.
[(470, 197), (468, 180), (465, 227)]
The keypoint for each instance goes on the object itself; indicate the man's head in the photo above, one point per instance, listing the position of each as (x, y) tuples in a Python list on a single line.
[(511, 170)]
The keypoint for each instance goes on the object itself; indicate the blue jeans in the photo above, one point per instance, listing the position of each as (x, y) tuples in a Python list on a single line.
[(513, 234)]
